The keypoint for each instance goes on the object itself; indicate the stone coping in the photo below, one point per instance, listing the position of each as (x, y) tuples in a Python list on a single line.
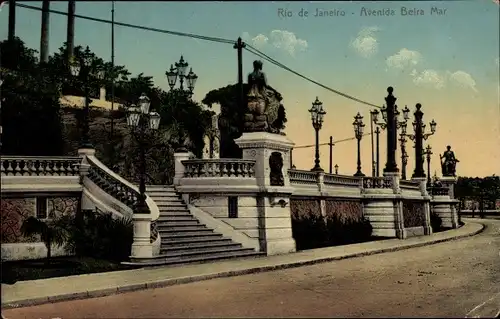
[(33, 292)]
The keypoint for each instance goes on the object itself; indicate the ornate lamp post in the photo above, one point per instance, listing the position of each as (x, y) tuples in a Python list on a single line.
[(428, 153), (336, 169), (1, 82), (380, 125), (180, 72), (83, 68), (317, 115), (390, 118), (140, 120), (418, 137), (403, 124), (358, 133)]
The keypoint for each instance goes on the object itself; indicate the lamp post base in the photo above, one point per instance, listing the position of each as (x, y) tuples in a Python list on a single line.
[(317, 169), (359, 174)]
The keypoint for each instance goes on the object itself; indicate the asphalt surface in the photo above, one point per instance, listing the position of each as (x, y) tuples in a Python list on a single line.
[(452, 279)]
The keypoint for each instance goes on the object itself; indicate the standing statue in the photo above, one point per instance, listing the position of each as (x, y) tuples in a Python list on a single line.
[(264, 112), (448, 166)]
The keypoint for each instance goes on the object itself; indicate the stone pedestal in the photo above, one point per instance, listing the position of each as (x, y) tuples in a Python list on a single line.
[(445, 208), (449, 182), (178, 166), (273, 201), (142, 247), (427, 206)]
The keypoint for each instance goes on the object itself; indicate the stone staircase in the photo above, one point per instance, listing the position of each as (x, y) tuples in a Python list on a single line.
[(183, 238)]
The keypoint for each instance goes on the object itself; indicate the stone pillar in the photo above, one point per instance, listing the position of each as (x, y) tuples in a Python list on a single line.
[(142, 246), (275, 218), (86, 152), (179, 167), (427, 206), (382, 205), (449, 182)]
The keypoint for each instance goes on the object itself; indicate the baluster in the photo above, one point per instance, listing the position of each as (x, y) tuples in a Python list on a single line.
[(217, 169), (15, 167), (21, 166), (245, 170), (188, 170), (251, 171), (2, 168), (232, 171), (238, 169), (209, 170), (8, 168), (224, 170), (65, 168)]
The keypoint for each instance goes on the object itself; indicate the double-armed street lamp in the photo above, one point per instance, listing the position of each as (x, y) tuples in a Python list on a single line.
[(381, 125), (83, 68), (403, 124), (358, 133), (317, 117), (418, 137), (140, 120), (428, 153), (179, 72)]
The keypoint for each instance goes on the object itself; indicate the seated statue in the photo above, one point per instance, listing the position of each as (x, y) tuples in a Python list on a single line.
[(448, 166), (264, 112)]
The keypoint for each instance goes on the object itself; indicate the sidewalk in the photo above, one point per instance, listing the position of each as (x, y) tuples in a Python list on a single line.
[(96, 285)]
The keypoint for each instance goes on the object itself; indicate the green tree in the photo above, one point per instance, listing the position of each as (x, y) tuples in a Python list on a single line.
[(51, 232), (30, 104)]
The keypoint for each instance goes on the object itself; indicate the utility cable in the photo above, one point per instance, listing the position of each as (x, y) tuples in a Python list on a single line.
[(248, 47), (335, 142), (182, 34), (253, 50)]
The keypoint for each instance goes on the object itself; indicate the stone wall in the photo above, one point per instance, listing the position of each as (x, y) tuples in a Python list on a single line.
[(413, 213), (16, 208), (344, 209)]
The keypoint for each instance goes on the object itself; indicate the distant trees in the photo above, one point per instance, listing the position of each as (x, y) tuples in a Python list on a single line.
[(484, 191)]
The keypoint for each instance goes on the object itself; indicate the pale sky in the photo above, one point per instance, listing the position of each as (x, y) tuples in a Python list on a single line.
[(447, 62)]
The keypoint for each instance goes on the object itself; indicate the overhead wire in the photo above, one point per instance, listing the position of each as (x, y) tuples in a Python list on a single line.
[(248, 47), (262, 55), (328, 143)]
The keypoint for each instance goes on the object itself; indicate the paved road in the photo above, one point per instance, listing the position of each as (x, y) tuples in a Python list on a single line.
[(444, 280)]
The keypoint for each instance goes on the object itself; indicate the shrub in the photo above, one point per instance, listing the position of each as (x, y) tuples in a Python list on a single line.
[(309, 232), (436, 223), (347, 231), (101, 236)]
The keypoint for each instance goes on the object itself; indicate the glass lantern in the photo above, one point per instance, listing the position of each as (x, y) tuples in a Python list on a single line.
[(154, 120), (433, 126), (191, 80), (133, 116), (144, 103), (171, 76), (74, 68), (181, 66), (406, 113)]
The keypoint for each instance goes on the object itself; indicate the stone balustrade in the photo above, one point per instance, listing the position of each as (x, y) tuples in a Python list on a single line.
[(302, 177), (40, 166), (120, 191), (405, 184), (223, 167), (341, 180), (438, 191), (378, 182)]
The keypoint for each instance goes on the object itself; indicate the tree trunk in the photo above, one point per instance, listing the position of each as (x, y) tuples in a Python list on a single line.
[(49, 250), (44, 38), (70, 32)]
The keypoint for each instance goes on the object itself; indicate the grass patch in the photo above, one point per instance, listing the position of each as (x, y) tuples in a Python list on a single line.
[(21, 270)]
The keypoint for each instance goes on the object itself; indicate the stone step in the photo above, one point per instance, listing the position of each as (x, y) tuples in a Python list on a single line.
[(169, 213), (170, 208), (211, 257), (166, 193), (174, 230), (181, 244), (165, 242), (205, 251), (176, 218), (187, 234), (160, 201), (162, 260), (176, 223), (168, 205)]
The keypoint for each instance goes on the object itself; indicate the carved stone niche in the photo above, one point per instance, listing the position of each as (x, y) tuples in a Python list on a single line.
[(276, 199), (276, 177)]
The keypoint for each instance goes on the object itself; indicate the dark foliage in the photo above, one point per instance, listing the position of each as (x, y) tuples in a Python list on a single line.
[(436, 223), (313, 232), (101, 236)]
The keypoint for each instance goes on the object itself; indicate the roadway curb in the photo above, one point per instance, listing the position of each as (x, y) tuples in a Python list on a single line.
[(190, 279)]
